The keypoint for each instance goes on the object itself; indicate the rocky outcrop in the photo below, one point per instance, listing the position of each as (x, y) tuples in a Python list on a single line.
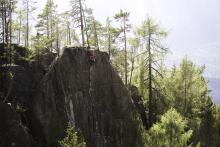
[(12, 132), (74, 89), (90, 94)]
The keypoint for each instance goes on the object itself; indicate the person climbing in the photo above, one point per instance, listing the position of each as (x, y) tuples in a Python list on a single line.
[(92, 54)]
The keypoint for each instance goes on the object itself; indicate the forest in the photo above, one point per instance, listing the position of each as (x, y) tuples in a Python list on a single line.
[(170, 106)]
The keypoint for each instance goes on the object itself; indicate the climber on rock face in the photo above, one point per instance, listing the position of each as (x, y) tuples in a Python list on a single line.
[(92, 54)]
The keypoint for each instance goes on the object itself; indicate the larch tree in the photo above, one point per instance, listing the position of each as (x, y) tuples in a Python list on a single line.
[(66, 22), (110, 34), (123, 17), (192, 89), (78, 16), (134, 44), (170, 131), (47, 23), (28, 9), (18, 25), (93, 29), (151, 36), (7, 8), (187, 92)]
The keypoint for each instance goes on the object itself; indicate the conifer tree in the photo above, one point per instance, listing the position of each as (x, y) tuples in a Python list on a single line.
[(19, 26), (78, 16), (151, 36), (7, 8), (28, 9), (110, 35), (67, 30), (169, 132), (93, 29), (47, 23), (123, 17)]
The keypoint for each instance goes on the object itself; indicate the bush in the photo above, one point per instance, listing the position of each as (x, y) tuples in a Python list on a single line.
[(73, 138)]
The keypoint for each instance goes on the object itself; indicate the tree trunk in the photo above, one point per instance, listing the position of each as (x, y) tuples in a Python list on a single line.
[(19, 31), (109, 44), (185, 88), (96, 35), (132, 69), (10, 33), (27, 24), (57, 39), (2, 52), (69, 34), (81, 23), (87, 36), (125, 50), (51, 24), (150, 93)]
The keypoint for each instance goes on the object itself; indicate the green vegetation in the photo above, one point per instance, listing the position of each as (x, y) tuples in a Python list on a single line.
[(170, 131), (72, 138), (178, 107)]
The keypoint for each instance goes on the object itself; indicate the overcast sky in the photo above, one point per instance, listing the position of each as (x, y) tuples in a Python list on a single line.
[(193, 25)]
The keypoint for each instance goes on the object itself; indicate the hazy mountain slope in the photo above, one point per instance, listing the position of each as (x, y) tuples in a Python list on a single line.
[(214, 85)]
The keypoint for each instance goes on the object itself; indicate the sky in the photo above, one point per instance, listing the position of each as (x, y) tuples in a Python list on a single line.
[(193, 25)]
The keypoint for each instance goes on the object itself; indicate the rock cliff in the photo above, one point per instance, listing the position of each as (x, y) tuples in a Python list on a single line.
[(89, 94)]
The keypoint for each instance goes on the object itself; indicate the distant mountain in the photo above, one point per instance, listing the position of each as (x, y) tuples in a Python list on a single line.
[(214, 86)]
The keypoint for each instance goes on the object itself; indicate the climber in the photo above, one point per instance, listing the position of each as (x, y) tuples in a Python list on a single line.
[(92, 54)]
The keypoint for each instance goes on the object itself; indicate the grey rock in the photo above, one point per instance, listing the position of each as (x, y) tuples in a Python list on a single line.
[(90, 94), (12, 132)]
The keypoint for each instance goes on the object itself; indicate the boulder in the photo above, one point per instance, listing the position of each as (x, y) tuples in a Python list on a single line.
[(69, 88), (91, 95)]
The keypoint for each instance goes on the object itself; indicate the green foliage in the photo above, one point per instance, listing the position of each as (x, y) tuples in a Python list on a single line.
[(67, 33), (183, 88), (72, 138), (206, 130), (19, 108), (216, 130), (93, 29), (186, 88), (110, 34), (171, 131), (47, 22)]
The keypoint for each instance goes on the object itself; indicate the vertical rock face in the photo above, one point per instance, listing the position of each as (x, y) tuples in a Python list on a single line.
[(12, 132), (71, 89), (91, 95)]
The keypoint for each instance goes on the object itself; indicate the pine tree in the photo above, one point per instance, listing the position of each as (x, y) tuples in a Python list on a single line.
[(110, 35), (169, 132), (133, 54), (150, 35), (187, 91), (78, 16), (68, 33), (18, 25), (47, 23), (28, 9), (7, 8), (93, 29), (72, 138), (187, 88), (123, 18), (206, 130)]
